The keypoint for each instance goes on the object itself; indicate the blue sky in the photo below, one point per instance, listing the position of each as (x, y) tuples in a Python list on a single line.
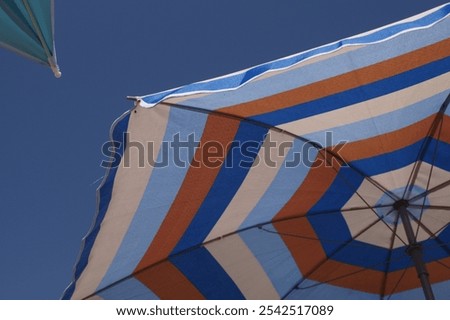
[(53, 129)]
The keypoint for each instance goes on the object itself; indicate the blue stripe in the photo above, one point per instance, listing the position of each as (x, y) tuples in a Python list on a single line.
[(405, 156), (160, 192), (235, 80), (104, 194), (206, 274), (356, 95), (230, 177), (273, 256), (441, 158), (364, 255), (437, 248)]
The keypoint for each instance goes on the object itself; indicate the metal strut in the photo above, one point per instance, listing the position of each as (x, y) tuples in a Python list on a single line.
[(414, 249)]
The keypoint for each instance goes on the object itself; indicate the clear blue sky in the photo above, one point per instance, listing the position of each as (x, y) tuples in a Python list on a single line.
[(52, 129)]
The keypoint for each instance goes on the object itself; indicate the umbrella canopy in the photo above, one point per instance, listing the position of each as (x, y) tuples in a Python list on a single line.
[(325, 174), (26, 27)]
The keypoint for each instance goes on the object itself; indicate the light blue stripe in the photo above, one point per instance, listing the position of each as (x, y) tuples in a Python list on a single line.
[(321, 291), (324, 69), (130, 289), (238, 79), (382, 124), (441, 292), (160, 192), (227, 183), (42, 11), (289, 177), (274, 257)]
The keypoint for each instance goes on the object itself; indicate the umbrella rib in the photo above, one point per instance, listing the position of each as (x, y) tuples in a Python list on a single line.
[(443, 264), (397, 284), (417, 206), (372, 208), (298, 236), (423, 149), (388, 264), (39, 33), (434, 189), (318, 213), (316, 145), (432, 234), (429, 178)]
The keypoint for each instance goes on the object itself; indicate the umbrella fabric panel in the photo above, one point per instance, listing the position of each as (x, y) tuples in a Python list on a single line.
[(26, 27), (129, 289), (22, 39)]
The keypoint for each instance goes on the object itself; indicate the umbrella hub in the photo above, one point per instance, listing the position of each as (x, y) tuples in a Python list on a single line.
[(387, 207), (401, 203)]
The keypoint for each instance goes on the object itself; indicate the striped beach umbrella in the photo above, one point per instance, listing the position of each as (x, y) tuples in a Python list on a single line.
[(322, 175), (26, 27)]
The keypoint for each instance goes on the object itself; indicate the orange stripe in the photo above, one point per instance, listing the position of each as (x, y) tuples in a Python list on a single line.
[(193, 191), (317, 181), (167, 282), (340, 83), (349, 276)]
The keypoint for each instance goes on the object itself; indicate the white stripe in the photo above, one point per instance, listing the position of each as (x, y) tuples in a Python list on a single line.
[(129, 186)]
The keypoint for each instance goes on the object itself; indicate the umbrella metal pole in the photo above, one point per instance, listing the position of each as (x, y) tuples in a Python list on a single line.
[(414, 249)]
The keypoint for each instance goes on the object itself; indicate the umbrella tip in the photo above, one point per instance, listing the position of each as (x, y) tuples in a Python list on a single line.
[(55, 69)]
